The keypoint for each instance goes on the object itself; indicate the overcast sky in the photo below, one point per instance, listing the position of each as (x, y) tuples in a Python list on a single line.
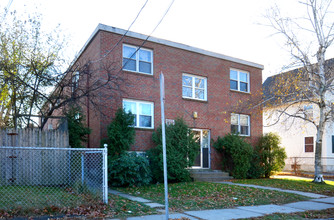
[(228, 27)]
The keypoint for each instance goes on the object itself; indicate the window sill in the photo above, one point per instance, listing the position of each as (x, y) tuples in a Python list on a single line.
[(139, 73), (237, 91), (247, 136), (144, 129), (196, 100)]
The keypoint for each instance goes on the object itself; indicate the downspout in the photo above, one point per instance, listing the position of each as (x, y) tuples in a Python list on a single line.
[(88, 110)]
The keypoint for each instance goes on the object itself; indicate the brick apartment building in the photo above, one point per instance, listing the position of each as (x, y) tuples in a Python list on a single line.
[(201, 86)]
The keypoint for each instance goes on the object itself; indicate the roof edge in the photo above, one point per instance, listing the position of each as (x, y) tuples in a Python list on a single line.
[(103, 27)]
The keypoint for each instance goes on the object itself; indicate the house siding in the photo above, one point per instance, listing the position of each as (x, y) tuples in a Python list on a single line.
[(213, 114), (293, 132)]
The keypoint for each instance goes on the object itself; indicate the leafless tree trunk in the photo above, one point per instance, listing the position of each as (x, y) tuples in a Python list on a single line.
[(308, 40)]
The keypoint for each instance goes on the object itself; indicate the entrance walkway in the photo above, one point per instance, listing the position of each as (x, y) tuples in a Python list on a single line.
[(318, 202)]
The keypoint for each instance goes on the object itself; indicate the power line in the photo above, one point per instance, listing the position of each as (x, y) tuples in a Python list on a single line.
[(162, 18), (123, 34), (146, 39), (6, 10), (9, 4)]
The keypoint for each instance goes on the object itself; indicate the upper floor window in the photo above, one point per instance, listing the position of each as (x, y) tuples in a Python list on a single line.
[(194, 87), (240, 124), (75, 80), (239, 80), (50, 126), (137, 60), (308, 111), (142, 111), (309, 142)]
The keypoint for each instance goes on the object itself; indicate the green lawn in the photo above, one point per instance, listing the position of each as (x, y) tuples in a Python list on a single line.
[(322, 214), (25, 197), (202, 195), (293, 184), (182, 197), (30, 201)]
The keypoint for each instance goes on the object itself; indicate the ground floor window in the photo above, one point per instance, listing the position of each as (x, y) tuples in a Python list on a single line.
[(143, 112), (309, 144), (240, 124)]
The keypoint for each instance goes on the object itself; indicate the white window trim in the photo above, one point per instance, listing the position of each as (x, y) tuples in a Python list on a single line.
[(137, 114), (238, 80), (193, 87), (136, 57), (75, 80), (239, 126)]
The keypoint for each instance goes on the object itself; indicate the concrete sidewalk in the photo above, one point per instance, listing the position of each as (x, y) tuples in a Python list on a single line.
[(311, 195), (319, 202)]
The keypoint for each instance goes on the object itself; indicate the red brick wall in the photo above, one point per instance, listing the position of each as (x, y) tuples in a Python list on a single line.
[(213, 114)]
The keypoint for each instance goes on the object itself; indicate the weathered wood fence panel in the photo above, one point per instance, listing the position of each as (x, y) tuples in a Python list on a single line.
[(34, 137), (33, 167)]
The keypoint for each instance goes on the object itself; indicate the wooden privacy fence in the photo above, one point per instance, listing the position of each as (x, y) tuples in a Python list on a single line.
[(34, 137), (32, 166)]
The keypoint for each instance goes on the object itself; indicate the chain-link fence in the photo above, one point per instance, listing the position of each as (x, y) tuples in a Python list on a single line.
[(297, 164), (35, 177)]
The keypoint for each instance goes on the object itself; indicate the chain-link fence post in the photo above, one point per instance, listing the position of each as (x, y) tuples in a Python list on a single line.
[(105, 174)]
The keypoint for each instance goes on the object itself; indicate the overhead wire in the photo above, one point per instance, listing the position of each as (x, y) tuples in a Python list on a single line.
[(6, 10), (143, 43), (148, 36), (109, 51)]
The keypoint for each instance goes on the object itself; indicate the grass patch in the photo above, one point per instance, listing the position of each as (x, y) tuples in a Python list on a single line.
[(203, 195), (29, 201), (121, 207), (293, 184), (321, 214), (26, 197)]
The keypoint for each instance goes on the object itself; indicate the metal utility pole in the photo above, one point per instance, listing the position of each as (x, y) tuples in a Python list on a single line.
[(162, 101)]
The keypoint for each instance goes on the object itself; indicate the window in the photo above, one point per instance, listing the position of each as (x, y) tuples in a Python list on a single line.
[(75, 80), (77, 116), (50, 127), (143, 112), (239, 80), (308, 144), (240, 124), (137, 60), (332, 144), (308, 111), (194, 87)]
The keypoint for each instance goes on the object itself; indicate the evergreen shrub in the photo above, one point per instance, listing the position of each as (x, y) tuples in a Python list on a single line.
[(77, 130), (237, 155), (129, 169), (271, 154), (181, 148), (121, 133)]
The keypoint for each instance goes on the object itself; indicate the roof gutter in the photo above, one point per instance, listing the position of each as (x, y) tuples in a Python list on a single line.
[(102, 27)]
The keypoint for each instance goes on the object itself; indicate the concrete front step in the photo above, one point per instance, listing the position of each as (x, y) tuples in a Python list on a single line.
[(209, 175)]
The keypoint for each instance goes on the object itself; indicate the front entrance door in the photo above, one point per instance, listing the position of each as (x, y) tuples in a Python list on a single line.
[(203, 158)]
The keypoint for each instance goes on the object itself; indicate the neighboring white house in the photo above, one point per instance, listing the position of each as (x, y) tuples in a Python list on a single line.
[(298, 135)]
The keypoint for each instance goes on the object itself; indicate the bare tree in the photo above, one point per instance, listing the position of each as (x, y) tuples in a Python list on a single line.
[(82, 85), (31, 64), (308, 40)]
